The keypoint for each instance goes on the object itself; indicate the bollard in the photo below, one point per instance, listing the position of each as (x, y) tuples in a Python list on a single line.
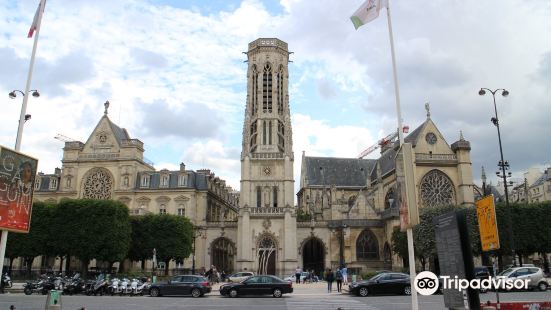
[(53, 300)]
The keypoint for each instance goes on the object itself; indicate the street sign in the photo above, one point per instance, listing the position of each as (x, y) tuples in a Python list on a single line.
[(487, 223), (405, 182), (17, 174)]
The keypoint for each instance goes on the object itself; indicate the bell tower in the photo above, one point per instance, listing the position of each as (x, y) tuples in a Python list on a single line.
[(267, 220)]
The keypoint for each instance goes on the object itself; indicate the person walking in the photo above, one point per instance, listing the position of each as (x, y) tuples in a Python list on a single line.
[(338, 277), (298, 272), (329, 277), (344, 271)]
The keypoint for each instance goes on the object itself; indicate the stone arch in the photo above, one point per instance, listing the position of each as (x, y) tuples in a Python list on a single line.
[(367, 246), (98, 183), (313, 251), (222, 254), (436, 189), (267, 250)]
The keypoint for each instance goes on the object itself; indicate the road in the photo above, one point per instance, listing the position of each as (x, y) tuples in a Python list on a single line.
[(305, 297)]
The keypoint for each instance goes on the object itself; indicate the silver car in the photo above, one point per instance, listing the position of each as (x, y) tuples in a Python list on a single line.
[(533, 274), (240, 276)]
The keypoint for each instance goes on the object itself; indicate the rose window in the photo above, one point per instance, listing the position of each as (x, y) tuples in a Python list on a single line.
[(437, 190), (98, 185)]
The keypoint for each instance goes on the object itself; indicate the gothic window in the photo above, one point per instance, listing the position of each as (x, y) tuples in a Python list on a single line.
[(270, 133), (267, 89), (280, 136), (275, 196), (254, 90), (145, 181), (264, 132), (280, 75), (437, 189), (98, 185), (389, 195), (253, 136), (266, 244), (53, 183), (164, 180), (367, 247), (258, 197)]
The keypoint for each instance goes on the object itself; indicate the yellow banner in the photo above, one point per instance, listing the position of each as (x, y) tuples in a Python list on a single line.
[(487, 223)]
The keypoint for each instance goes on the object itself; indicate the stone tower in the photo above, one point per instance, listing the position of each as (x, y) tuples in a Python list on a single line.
[(267, 223)]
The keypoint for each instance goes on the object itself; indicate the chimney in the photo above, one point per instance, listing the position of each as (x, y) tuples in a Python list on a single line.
[(182, 167), (57, 171)]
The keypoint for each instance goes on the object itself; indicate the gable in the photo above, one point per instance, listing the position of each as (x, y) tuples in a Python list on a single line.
[(106, 137), (439, 145)]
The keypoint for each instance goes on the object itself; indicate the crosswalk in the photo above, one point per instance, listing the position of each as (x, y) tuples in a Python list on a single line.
[(327, 302)]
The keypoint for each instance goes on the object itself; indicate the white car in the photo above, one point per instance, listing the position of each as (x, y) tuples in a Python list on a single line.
[(293, 278), (240, 276), (533, 274)]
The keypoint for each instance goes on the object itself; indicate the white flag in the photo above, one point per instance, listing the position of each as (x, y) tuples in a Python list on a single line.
[(367, 12), (34, 25)]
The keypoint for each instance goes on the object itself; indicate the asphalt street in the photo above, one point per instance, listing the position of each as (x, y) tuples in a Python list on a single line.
[(305, 297)]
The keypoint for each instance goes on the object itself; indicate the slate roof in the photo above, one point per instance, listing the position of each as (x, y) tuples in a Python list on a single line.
[(541, 180), (337, 171), (120, 133), (45, 182), (195, 180)]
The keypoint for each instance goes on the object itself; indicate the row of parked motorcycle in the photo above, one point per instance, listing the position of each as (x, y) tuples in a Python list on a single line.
[(101, 285)]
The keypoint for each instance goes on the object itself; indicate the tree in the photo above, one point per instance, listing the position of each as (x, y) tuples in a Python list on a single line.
[(90, 228), (37, 242), (140, 238), (400, 245), (170, 235)]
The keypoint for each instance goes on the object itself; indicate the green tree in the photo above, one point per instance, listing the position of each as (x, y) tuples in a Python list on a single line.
[(400, 245), (39, 240), (140, 239)]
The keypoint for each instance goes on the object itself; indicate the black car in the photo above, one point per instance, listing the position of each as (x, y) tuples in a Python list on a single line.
[(258, 285), (195, 286), (383, 283)]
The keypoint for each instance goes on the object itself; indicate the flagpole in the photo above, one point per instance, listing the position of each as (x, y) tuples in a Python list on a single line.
[(4, 239), (411, 254)]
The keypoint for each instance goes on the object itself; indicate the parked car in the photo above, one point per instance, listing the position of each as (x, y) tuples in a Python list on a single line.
[(293, 278), (382, 283), (481, 273), (534, 274), (196, 286), (258, 285), (240, 276)]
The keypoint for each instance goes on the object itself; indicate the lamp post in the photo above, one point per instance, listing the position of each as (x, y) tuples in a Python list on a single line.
[(24, 117), (503, 165), (197, 232)]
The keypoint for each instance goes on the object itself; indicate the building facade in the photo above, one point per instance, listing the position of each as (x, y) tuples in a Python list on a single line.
[(345, 211)]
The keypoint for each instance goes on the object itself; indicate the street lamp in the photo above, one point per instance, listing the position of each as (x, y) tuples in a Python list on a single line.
[(503, 165), (25, 117), (197, 232)]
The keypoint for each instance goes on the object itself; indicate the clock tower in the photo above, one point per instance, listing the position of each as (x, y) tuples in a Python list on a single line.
[(267, 218)]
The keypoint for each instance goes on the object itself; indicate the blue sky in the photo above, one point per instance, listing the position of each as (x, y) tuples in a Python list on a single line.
[(174, 74)]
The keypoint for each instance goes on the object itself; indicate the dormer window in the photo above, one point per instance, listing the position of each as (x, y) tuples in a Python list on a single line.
[(145, 180), (37, 184), (53, 183), (182, 180), (164, 180)]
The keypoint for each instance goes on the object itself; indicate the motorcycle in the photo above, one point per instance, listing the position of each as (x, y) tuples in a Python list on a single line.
[(5, 282), (75, 285), (35, 287), (98, 287), (125, 287), (138, 287), (114, 288)]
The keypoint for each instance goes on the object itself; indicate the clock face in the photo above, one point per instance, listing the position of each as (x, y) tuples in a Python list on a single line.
[(267, 170), (431, 138)]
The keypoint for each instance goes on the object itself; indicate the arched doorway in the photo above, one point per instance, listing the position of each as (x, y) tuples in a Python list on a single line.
[(387, 254), (313, 255), (222, 255), (267, 256)]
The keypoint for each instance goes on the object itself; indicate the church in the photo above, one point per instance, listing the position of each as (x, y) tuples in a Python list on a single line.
[(345, 211)]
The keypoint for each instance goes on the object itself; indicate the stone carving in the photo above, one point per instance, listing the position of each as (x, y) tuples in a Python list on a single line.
[(98, 185), (437, 189)]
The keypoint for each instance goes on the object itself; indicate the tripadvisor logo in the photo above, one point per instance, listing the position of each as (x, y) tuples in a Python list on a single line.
[(427, 283)]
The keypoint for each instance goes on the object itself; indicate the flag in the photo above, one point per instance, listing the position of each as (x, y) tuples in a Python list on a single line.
[(34, 25), (367, 12)]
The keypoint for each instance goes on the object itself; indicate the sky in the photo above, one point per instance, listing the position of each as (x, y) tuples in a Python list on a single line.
[(175, 76)]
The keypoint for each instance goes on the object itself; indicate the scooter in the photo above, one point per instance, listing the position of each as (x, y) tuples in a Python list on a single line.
[(114, 288), (5, 282), (74, 286), (125, 287), (99, 287)]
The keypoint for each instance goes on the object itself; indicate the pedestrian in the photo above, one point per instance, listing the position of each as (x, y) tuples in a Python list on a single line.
[(344, 271), (338, 277), (298, 271), (329, 277)]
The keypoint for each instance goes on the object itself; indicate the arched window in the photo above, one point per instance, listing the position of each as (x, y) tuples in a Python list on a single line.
[(253, 136), (254, 91), (437, 189), (389, 195), (280, 97), (367, 247), (267, 89)]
